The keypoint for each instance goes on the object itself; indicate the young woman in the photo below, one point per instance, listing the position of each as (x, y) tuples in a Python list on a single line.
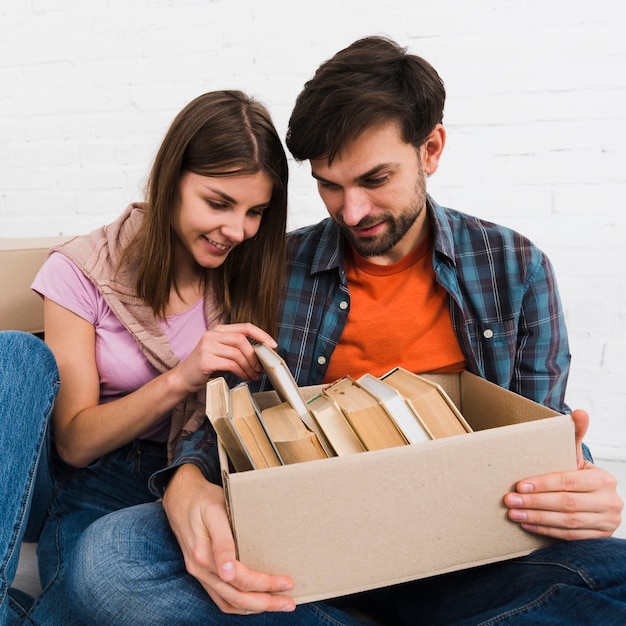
[(141, 313)]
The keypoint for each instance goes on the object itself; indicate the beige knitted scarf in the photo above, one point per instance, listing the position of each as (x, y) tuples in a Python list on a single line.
[(97, 255)]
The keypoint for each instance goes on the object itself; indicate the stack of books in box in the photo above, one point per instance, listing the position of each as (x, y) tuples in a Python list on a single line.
[(348, 416)]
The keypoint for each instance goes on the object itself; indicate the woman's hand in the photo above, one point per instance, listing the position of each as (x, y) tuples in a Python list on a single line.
[(224, 348)]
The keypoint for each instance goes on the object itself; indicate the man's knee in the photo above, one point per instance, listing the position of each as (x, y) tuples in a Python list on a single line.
[(112, 547), (115, 558), (599, 563)]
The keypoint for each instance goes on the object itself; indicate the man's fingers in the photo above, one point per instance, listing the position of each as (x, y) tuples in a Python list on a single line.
[(591, 478), (569, 505), (249, 591)]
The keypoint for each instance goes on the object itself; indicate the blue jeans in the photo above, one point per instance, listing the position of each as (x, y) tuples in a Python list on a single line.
[(81, 496), (128, 569), (29, 382), (68, 499)]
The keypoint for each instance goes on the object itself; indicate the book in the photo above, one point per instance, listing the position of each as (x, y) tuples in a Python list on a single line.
[(369, 419), (247, 421), (293, 440), (333, 423), (218, 412), (286, 387), (430, 403), (396, 406)]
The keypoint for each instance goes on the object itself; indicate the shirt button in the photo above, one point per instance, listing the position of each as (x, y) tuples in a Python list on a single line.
[(321, 360), (488, 334), (343, 305)]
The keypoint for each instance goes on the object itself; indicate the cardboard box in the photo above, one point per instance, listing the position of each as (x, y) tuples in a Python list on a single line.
[(20, 260), (348, 524)]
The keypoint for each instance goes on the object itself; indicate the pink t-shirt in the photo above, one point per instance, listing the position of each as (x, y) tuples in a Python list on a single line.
[(121, 365)]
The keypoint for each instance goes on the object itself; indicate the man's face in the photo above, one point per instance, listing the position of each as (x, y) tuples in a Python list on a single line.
[(375, 190)]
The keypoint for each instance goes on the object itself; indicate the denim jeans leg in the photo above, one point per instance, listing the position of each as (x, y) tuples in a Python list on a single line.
[(573, 583), (128, 570), (584, 583), (42, 494), (29, 382), (81, 496)]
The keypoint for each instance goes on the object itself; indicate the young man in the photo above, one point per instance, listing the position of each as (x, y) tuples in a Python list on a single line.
[(391, 278)]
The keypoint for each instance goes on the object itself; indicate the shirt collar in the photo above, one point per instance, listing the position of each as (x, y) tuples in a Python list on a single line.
[(443, 242), (329, 251)]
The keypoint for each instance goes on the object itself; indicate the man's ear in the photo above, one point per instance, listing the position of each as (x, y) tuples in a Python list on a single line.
[(432, 148)]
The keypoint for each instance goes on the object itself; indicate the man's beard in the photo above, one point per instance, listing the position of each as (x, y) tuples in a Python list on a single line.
[(397, 227)]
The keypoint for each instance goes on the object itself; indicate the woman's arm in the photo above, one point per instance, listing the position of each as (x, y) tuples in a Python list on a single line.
[(84, 429)]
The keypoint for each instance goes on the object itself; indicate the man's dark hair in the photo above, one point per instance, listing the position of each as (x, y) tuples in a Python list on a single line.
[(371, 81)]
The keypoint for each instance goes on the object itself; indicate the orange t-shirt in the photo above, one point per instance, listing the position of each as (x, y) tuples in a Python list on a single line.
[(399, 316)]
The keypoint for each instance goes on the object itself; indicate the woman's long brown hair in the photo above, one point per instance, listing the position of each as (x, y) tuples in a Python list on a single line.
[(221, 133)]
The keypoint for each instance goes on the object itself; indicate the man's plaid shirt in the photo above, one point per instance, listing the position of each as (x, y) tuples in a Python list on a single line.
[(504, 304)]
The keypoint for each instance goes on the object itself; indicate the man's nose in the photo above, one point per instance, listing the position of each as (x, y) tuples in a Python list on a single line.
[(356, 206)]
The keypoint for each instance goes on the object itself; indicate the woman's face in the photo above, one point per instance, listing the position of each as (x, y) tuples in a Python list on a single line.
[(216, 213)]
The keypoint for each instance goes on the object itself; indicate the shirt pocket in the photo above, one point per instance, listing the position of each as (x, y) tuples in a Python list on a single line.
[(495, 346)]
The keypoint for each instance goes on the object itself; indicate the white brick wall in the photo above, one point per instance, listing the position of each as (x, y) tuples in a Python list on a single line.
[(535, 116)]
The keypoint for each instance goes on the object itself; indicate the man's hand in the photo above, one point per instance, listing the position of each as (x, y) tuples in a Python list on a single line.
[(197, 515), (580, 504)]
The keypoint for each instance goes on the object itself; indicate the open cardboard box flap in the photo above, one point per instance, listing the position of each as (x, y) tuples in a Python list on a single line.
[(20, 260), (349, 524)]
